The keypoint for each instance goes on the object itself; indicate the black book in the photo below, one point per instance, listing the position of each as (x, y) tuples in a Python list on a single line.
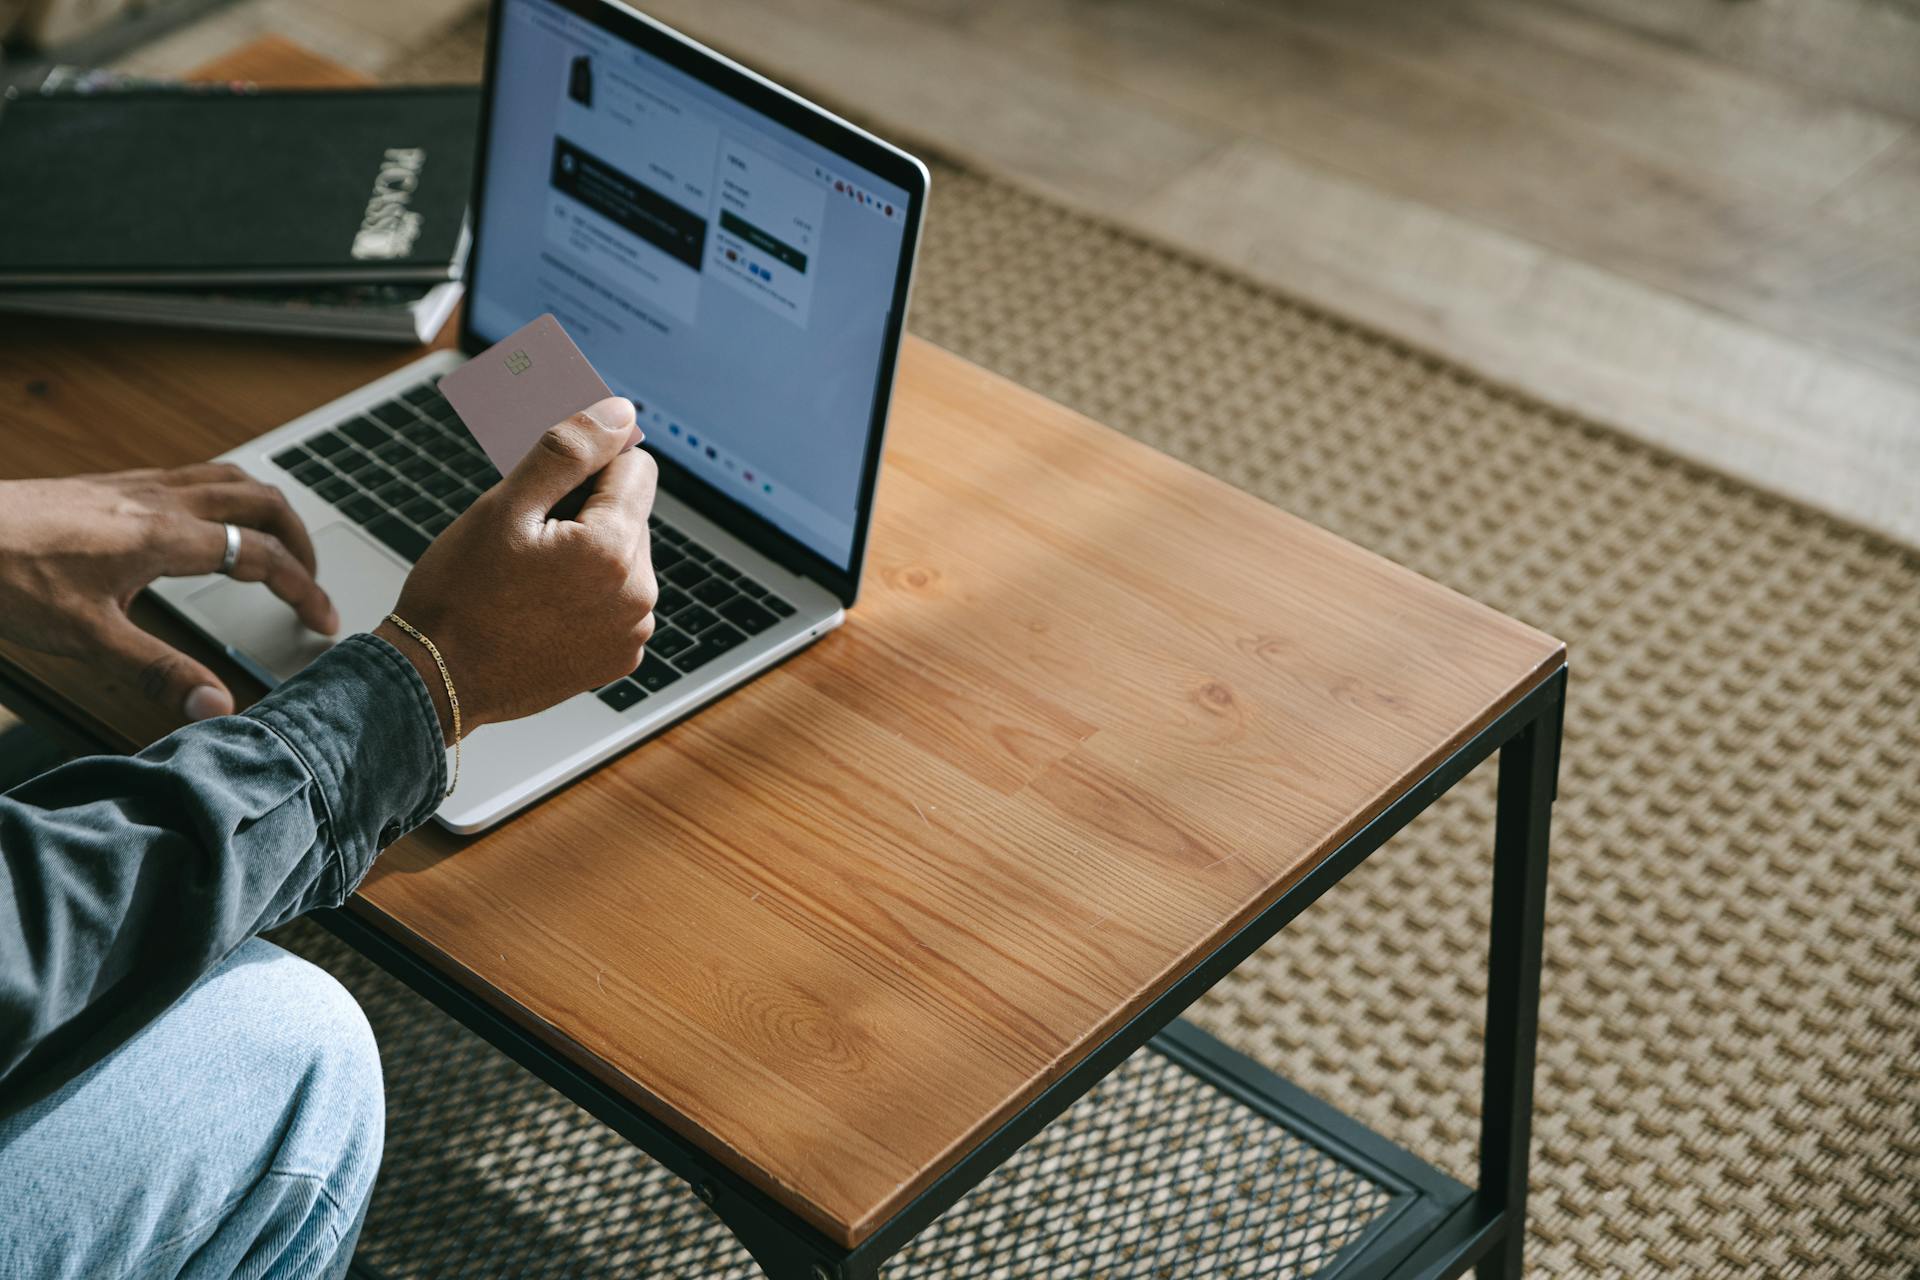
[(276, 187)]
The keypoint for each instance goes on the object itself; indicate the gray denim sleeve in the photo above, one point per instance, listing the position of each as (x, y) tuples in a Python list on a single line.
[(124, 879)]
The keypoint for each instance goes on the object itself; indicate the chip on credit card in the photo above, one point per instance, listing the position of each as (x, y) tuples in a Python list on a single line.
[(509, 394)]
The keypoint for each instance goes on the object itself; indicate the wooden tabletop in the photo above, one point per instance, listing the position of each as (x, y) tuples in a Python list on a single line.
[(1094, 711)]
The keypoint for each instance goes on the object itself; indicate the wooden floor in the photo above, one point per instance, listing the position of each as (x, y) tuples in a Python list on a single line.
[(1696, 219)]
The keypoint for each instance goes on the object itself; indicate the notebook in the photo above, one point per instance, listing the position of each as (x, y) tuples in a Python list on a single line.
[(149, 187)]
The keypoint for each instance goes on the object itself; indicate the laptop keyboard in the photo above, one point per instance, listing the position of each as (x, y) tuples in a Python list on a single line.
[(406, 467)]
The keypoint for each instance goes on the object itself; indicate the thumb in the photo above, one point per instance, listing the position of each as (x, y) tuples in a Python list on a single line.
[(569, 454), (163, 673)]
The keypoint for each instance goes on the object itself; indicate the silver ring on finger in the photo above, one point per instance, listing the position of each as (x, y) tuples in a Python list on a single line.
[(232, 556)]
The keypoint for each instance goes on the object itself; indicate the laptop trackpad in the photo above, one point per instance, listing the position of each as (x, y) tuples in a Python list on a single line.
[(252, 622)]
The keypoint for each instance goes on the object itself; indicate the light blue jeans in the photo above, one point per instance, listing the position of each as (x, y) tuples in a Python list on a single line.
[(237, 1135)]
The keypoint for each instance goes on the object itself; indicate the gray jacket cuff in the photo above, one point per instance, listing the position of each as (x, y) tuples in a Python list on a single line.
[(363, 722)]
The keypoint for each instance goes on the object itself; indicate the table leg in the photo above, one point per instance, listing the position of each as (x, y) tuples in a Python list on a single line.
[(781, 1251), (1529, 769)]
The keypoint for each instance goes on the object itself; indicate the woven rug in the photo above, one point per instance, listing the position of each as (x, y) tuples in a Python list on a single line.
[(1729, 1078)]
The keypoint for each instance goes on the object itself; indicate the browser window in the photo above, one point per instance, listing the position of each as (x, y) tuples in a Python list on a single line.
[(732, 277)]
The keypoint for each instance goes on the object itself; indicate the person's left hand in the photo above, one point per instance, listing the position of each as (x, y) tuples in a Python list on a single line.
[(74, 553)]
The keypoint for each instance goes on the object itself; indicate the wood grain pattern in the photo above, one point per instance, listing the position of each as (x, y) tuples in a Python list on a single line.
[(839, 926), (278, 61), (1719, 261), (1094, 710), (1527, 127), (1864, 50), (354, 37), (1781, 414)]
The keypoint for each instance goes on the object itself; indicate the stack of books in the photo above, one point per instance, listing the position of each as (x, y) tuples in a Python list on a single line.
[(338, 212)]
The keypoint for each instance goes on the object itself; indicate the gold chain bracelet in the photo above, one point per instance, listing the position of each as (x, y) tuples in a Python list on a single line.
[(453, 699)]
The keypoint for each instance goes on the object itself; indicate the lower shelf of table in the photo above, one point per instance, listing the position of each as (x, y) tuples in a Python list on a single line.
[(1189, 1160), (1360, 1204)]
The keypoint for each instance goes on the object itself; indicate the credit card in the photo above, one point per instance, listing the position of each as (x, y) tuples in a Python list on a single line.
[(509, 394)]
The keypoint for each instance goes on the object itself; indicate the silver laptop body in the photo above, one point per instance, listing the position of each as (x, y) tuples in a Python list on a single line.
[(770, 259)]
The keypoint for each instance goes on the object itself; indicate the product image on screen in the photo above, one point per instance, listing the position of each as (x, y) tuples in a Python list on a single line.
[(729, 275)]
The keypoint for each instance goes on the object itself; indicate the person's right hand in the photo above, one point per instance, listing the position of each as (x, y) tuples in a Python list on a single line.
[(529, 611)]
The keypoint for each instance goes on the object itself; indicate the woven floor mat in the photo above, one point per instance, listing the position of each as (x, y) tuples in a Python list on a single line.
[(1729, 1079)]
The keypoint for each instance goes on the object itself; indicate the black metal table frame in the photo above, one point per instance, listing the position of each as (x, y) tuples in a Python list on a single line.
[(1437, 1228)]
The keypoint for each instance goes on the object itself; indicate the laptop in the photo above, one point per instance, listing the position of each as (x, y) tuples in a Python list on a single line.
[(733, 259)]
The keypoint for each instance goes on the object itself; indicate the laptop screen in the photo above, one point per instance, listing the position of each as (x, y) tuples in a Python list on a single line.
[(732, 277)]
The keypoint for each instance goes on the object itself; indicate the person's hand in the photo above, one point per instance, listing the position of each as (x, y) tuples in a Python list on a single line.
[(527, 610), (74, 553)]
